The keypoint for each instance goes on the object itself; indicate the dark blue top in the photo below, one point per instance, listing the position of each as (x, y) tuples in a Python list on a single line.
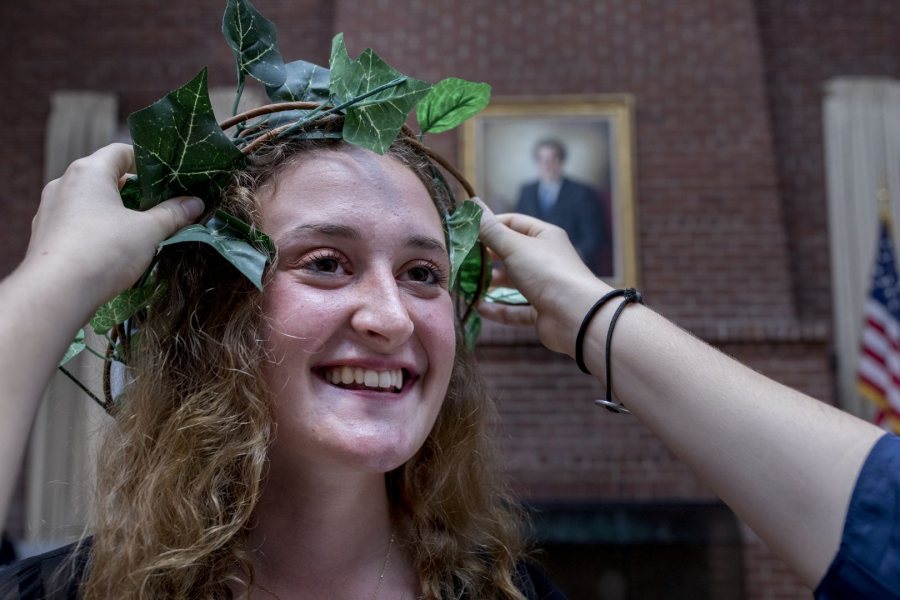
[(867, 564), (57, 575)]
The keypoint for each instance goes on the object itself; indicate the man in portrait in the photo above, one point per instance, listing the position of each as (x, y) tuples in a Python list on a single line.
[(570, 204)]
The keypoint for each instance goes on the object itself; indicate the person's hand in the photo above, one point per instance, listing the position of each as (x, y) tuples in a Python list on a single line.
[(85, 235), (539, 260)]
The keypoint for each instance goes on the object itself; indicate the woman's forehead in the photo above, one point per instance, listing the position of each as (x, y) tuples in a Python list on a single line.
[(347, 185)]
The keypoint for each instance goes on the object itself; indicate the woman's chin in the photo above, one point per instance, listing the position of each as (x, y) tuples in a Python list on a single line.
[(375, 452), (379, 456)]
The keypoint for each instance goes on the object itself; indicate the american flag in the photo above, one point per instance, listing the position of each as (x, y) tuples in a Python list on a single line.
[(879, 363)]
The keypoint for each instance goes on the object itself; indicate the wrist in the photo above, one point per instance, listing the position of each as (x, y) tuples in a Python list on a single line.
[(572, 308), (50, 284), (627, 295)]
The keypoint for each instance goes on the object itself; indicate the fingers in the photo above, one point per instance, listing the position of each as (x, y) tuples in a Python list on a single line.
[(494, 233), (175, 213), (124, 178), (499, 278), (90, 177), (530, 226), (503, 233), (120, 157), (507, 314)]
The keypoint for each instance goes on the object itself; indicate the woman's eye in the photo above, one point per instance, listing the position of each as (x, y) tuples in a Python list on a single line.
[(421, 275), (324, 262), (425, 273), (325, 265)]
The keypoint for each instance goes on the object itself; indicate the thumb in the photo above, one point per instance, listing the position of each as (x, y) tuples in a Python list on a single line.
[(175, 213), (497, 236)]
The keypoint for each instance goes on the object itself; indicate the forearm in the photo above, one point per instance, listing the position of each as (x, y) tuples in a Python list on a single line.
[(784, 462), (40, 315)]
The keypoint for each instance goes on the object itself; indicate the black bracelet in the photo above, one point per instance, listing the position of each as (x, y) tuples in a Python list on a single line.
[(629, 295), (579, 339)]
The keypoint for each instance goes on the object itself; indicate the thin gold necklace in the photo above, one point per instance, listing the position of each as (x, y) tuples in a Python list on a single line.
[(387, 559)]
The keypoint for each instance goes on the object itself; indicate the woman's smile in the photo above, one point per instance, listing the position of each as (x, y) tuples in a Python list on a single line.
[(362, 377)]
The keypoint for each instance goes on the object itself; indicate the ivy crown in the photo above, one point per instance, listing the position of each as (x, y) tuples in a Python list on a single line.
[(181, 149)]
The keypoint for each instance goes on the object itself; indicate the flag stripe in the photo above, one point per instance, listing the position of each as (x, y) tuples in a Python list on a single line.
[(875, 354)]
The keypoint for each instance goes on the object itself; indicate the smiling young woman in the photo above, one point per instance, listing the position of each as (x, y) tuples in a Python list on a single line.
[(324, 438)]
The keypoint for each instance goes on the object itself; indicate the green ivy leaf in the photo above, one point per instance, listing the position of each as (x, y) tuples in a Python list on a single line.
[(462, 233), (471, 330), (506, 295), (122, 307), (473, 275), (341, 66), (131, 193), (75, 348), (450, 102), (374, 121), (180, 149), (474, 278), (231, 242), (221, 219), (252, 39), (305, 82)]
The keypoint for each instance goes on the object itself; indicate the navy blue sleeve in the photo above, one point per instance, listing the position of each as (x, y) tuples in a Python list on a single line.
[(534, 583), (867, 564), (55, 575)]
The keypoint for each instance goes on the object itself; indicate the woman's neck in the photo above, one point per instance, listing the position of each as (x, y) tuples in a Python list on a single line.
[(324, 533)]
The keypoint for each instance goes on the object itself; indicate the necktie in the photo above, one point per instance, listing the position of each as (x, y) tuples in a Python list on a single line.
[(545, 198)]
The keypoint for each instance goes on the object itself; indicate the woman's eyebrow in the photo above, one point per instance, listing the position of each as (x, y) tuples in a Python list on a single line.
[(329, 229), (425, 242)]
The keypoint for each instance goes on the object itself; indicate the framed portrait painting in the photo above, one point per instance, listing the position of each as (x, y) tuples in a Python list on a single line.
[(566, 160)]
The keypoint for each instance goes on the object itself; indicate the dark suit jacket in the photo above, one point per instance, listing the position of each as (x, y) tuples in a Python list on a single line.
[(580, 212)]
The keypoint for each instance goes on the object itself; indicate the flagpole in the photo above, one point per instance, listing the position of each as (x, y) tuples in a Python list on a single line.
[(884, 197)]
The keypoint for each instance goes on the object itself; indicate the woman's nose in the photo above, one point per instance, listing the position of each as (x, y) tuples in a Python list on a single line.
[(381, 316)]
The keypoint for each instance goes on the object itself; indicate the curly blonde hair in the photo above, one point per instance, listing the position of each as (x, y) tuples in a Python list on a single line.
[(180, 474)]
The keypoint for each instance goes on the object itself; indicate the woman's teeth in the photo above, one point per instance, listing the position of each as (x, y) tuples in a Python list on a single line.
[(370, 378)]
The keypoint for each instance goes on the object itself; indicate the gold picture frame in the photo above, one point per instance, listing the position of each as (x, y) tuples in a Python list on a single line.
[(499, 149)]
